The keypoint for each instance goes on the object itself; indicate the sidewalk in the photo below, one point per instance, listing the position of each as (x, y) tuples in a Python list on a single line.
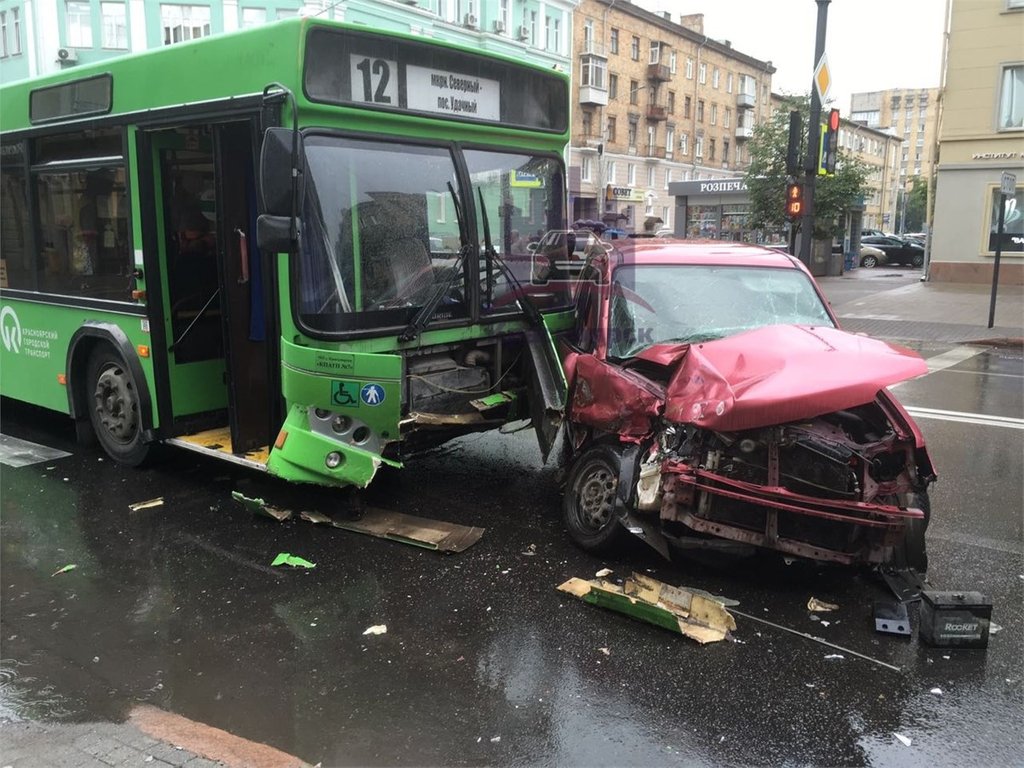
[(945, 312)]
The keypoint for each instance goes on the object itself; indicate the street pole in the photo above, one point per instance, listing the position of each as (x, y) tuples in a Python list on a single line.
[(813, 141), (995, 265)]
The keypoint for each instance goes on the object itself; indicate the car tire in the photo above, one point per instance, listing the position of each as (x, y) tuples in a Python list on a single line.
[(114, 407), (588, 504), (913, 551), (917, 260), (869, 261)]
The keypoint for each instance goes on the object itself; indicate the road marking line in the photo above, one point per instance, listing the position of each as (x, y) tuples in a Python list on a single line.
[(990, 373), (952, 357), (965, 418), (15, 452)]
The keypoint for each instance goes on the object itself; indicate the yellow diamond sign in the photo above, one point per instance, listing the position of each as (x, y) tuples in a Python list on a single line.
[(822, 78)]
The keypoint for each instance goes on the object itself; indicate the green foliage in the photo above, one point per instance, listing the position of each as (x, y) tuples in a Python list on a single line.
[(766, 176), (916, 205)]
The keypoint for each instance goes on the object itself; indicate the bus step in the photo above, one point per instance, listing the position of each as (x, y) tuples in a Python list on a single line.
[(217, 443)]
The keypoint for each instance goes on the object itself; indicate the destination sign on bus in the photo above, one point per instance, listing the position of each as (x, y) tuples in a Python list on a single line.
[(359, 68)]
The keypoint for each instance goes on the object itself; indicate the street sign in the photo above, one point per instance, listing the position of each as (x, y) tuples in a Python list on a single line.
[(1008, 184), (822, 78)]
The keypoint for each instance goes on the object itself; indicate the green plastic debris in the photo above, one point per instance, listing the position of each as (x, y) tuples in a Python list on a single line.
[(293, 560), (65, 569)]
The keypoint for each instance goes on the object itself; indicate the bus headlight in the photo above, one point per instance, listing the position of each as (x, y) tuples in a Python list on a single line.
[(334, 460)]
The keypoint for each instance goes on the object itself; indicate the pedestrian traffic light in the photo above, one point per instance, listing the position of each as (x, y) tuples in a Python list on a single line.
[(829, 144), (794, 200)]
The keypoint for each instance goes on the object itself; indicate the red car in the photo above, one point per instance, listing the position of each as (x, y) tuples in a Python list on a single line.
[(713, 396)]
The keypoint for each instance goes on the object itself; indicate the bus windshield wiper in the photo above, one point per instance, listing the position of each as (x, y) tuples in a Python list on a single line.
[(420, 320), (493, 257)]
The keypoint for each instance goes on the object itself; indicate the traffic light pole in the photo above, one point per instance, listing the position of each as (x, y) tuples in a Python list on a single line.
[(813, 142)]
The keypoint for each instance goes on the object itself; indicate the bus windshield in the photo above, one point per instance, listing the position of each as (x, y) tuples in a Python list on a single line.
[(381, 230)]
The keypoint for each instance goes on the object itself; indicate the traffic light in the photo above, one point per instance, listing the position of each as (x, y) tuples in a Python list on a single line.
[(829, 144), (794, 200)]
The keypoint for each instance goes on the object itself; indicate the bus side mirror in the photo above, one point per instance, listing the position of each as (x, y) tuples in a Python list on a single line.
[(274, 233), (282, 151)]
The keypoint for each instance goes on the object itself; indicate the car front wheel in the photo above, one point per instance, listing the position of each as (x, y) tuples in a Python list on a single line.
[(869, 261), (588, 506)]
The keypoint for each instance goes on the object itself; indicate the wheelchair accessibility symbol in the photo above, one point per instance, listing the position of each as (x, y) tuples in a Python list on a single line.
[(344, 393), (372, 394)]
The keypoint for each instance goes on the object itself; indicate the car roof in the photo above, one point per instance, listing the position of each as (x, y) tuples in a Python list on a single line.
[(698, 252)]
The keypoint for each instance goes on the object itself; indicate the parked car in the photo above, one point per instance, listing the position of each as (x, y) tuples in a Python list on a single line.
[(713, 397), (870, 256), (897, 250), (872, 233)]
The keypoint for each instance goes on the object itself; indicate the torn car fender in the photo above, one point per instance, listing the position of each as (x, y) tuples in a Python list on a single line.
[(613, 399)]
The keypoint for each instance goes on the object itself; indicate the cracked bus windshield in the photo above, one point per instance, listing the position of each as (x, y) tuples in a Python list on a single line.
[(687, 303)]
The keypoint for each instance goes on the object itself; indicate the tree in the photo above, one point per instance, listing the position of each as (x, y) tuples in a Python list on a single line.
[(766, 176), (914, 207)]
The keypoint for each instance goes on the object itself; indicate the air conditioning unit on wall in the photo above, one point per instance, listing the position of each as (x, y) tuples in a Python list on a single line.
[(523, 33), (470, 20), (67, 55), (499, 27)]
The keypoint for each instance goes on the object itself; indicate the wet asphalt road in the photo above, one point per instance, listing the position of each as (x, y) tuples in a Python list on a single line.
[(484, 661)]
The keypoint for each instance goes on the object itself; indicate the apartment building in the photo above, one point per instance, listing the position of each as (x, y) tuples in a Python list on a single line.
[(881, 152), (658, 102), (42, 36), (911, 114), (981, 135)]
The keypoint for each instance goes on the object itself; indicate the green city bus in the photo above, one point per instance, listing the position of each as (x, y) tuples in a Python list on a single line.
[(304, 248)]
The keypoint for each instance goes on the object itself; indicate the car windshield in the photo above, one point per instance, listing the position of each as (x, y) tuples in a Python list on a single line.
[(652, 304)]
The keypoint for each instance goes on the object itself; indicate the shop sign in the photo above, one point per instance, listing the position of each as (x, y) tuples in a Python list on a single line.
[(624, 194), (708, 187)]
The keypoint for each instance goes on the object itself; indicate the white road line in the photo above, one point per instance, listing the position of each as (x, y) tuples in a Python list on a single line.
[(21, 453), (990, 373), (952, 357), (965, 418)]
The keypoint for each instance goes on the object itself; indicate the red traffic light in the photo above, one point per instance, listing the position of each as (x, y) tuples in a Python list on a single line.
[(833, 120)]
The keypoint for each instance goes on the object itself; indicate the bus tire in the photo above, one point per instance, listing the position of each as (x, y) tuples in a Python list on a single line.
[(588, 504), (113, 400)]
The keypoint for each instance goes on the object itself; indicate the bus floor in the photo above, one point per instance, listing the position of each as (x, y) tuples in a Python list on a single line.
[(217, 442)]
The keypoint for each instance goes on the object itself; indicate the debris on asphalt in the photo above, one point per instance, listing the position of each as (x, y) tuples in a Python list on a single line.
[(293, 560), (674, 608), (834, 656), (495, 739), (602, 573), (376, 629), (605, 651), (955, 619), (260, 507), (993, 627), (530, 551), (814, 604), (904, 740), (157, 502), (65, 569), (316, 518), (936, 691), (892, 618)]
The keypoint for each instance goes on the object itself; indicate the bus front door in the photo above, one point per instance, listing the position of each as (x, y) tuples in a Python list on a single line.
[(215, 326)]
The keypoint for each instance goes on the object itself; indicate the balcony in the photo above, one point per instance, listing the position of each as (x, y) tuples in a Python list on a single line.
[(656, 112), (744, 131), (593, 48), (654, 153), (659, 73), (745, 100), (593, 96)]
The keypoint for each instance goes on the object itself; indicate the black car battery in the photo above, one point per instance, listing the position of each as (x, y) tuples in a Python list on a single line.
[(955, 619)]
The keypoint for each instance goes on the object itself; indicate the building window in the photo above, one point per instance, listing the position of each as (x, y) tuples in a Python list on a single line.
[(556, 44), (671, 102), (684, 148), (670, 140), (728, 83), (634, 50), (505, 17), (672, 62), (610, 132), (533, 28), (614, 44), (588, 122), (655, 52), (547, 32), (698, 149), (79, 20), (650, 177), (711, 149), (727, 121), (631, 175), (613, 87), (3, 34), (687, 106), (253, 17), (668, 177), (739, 154), (702, 74), (689, 69), (716, 77), (725, 151), (700, 110), (1011, 98), (585, 170), (631, 138), (1013, 227), (115, 25), (634, 90), (593, 71), (184, 22), (609, 171), (714, 114)]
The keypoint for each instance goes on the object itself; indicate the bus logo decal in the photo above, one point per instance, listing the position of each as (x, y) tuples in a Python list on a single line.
[(10, 330), (372, 394), (345, 393)]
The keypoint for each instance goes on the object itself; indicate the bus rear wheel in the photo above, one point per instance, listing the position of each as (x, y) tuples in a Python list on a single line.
[(113, 399)]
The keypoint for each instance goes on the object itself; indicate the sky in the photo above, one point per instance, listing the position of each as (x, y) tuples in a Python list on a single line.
[(871, 45)]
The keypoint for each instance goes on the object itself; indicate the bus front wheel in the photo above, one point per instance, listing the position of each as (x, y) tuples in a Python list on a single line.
[(113, 398)]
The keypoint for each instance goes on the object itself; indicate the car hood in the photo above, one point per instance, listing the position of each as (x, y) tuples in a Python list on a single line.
[(777, 374)]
